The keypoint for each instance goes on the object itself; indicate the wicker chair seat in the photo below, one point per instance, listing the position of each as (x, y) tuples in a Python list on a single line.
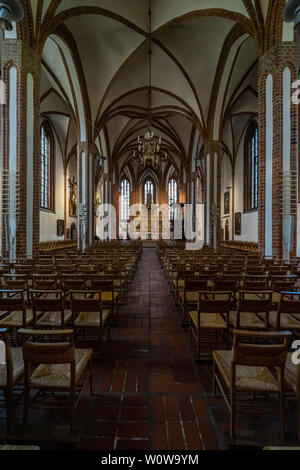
[(18, 367), (248, 320), (54, 318), (119, 283), (208, 320), (290, 372), (191, 297), (248, 378), (178, 284), (15, 319), (108, 296), (58, 376), (286, 321), (92, 319), (276, 297)]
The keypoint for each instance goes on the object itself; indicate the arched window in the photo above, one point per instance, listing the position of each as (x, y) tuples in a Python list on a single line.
[(125, 199), (47, 170), (251, 167), (148, 189), (172, 192)]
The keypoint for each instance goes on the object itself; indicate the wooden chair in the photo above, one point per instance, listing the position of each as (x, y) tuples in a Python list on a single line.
[(45, 269), (109, 297), (278, 270), (280, 283), (227, 284), (188, 299), (48, 308), (246, 369), (212, 314), (255, 270), (55, 366), (255, 283), (45, 282), (252, 310), (88, 313), (292, 379), (287, 316), (13, 310), (10, 374), (16, 282)]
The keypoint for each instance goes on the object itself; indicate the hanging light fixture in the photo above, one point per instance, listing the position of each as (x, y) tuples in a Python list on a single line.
[(149, 146), (100, 159)]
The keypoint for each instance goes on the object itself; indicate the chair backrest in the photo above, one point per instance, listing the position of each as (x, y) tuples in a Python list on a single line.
[(66, 268), (49, 350), (255, 270), (255, 301), (283, 283), (12, 300), (74, 284), (45, 268), (214, 302), (102, 285), (271, 350), (45, 282), (24, 269), (195, 285), (278, 270), (15, 281), (255, 283), (289, 302), (86, 301), (8, 364), (47, 301), (226, 285)]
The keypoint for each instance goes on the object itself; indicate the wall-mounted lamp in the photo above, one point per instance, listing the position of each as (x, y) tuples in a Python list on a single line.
[(10, 11), (100, 159), (229, 188)]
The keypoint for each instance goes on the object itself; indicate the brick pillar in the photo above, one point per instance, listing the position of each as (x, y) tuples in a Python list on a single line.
[(85, 171), (212, 200), (277, 149), (21, 67)]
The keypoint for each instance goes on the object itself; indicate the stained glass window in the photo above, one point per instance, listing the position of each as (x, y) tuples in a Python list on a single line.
[(148, 189), (125, 199), (252, 167), (46, 175)]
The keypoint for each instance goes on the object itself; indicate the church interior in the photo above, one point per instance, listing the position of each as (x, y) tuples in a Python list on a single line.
[(149, 225)]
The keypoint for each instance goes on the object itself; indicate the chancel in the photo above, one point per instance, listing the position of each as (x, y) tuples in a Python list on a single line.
[(149, 225)]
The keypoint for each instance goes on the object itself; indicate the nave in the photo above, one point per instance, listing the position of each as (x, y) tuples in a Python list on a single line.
[(149, 392)]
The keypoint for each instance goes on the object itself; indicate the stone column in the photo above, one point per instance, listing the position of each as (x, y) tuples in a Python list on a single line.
[(20, 160), (277, 205), (212, 193)]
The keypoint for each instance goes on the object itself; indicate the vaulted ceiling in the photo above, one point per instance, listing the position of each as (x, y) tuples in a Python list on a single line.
[(95, 69)]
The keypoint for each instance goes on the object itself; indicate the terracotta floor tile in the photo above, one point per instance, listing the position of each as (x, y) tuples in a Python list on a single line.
[(159, 439), (133, 430), (150, 394), (176, 439), (134, 414)]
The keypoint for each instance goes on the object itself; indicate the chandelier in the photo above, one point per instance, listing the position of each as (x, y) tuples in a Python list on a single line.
[(149, 146)]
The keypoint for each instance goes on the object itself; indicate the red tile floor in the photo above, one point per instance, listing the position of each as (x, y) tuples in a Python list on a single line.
[(150, 394)]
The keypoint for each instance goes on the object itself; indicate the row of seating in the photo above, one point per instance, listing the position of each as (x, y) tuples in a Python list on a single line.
[(47, 316), (256, 314)]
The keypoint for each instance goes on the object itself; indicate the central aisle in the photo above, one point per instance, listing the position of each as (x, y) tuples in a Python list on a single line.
[(150, 395)]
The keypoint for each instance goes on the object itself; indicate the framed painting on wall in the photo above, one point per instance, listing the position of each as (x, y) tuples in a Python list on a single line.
[(227, 202), (60, 228), (238, 223)]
